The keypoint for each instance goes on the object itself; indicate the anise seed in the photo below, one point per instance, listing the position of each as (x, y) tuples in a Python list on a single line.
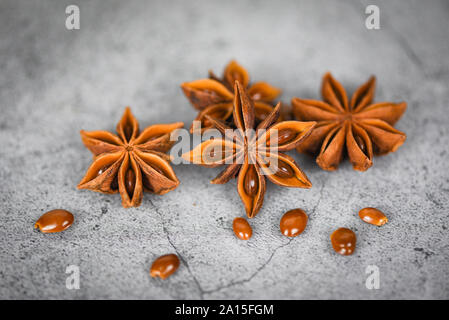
[(250, 182), (54, 221), (343, 241), (242, 229), (360, 143), (159, 170), (102, 170), (293, 222), (284, 136), (284, 170), (130, 182), (164, 266), (373, 216)]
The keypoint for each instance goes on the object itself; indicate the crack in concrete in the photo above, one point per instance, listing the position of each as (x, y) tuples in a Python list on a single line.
[(181, 257), (319, 198), (233, 283)]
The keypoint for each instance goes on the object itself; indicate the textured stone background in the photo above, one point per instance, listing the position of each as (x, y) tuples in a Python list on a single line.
[(54, 82)]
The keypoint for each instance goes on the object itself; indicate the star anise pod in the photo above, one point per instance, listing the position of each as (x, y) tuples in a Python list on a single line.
[(250, 155), (363, 127), (214, 96), (130, 162)]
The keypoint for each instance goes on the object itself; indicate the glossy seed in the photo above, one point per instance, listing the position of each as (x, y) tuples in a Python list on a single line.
[(373, 216), (102, 170), (216, 153), (284, 170), (242, 229), (250, 182), (343, 241), (284, 136), (164, 266), (114, 184), (130, 182), (158, 170), (128, 130), (293, 222), (360, 143), (54, 221)]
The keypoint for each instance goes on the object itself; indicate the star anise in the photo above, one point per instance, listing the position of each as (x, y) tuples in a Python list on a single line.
[(250, 153), (214, 96), (365, 128), (130, 162)]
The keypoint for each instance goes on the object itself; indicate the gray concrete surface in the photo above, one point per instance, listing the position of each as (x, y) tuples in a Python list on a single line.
[(54, 82)]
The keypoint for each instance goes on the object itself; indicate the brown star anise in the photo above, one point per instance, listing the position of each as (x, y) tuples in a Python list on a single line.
[(250, 152), (360, 125), (214, 96), (130, 162)]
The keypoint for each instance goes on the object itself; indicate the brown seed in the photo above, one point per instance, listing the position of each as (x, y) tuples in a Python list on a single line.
[(360, 143), (242, 229), (164, 266), (293, 222), (343, 241), (130, 182), (54, 221), (250, 182), (102, 170), (159, 170), (284, 170), (284, 136), (114, 184), (373, 216)]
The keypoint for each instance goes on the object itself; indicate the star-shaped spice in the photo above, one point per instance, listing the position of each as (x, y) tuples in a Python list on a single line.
[(252, 152), (214, 96), (361, 127), (130, 162)]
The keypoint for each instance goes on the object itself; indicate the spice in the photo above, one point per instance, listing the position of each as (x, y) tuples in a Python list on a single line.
[(54, 221), (362, 127), (130, 162), (242, 229), (293, 222), (164, 266), (373, 216), (248, 157), (343, 241), (214, 96)]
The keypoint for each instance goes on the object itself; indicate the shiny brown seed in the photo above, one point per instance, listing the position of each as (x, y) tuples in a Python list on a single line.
[(54, 221), (250, 182), (373, 216), (164, 266), (114, 184), (343, 241), (158, 170), (284, 170), (293, 222), (242, 229), (102, 170), (130, 182), (360, 143), (284, 136)]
